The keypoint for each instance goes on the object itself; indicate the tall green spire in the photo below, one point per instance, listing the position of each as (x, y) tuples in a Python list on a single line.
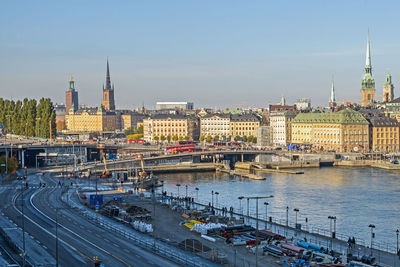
[(368, 82)]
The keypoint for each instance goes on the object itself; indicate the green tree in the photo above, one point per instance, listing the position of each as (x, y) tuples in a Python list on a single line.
[(156, 138), (254, 140), (139, 130), (250, 138), (216, 138), (202, 138), (162, 138), (244, 138), (187, 137), (237, 138), (180, 138), (175, 138), (129, 131), (229, 138), (209, 138), (12, 164), (169, 138)]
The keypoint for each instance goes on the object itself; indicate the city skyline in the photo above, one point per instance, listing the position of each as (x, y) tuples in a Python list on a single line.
[(239, 49)]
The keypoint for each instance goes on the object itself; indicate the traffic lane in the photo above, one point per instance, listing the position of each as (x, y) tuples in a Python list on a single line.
[(43, 239), (71, 233), (113, 244)]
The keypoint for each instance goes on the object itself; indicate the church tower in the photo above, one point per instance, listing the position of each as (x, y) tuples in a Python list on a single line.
[(388, 89), (108, 92), (71, 97), (332, 99), (368, 82)]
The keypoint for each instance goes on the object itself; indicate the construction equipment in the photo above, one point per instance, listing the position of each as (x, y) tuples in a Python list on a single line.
[(142, 173), (105, 173)]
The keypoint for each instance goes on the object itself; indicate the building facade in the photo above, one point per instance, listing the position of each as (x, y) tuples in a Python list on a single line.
[(108, 92), (264, 136), (171, 125), (384, 134), (280, 122), (393, 109), (175, 105), (388, 89), (244, 125), (91, 120), (215, 125), (368, 82), (343, 131)]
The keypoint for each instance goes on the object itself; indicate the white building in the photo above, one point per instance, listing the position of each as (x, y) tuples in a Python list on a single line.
[(215, 124), (303, 104), (280, 122), (174, 105), (264, 136)]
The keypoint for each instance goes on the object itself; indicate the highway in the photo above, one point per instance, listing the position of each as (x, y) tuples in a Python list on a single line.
[(79, 242)]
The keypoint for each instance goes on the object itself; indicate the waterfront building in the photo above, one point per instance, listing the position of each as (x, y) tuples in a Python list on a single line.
[(393, 109), (280, 122), (173, 125), (343, 131), (264, 136), (303, 104), (244, 125), (71, 97), (388, 89), (108, 92), (91, 120), (384, 134), (130, 119), (368, 82), (215, 125), (175, 105)]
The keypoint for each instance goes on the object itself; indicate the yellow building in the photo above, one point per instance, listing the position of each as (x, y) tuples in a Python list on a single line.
[(384, 134), (91, 120), (343, 131), (164, 125), (244, 125)]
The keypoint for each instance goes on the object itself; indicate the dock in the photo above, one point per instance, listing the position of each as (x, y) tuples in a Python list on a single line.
[(242, 174)]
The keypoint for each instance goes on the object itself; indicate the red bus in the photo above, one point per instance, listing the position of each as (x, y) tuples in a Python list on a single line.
[(179, 149)]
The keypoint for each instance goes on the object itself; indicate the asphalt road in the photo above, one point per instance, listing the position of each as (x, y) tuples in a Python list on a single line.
[(79, 241)]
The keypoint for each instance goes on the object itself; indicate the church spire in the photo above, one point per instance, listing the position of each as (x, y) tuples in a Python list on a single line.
[(333, 97), (108, 79), (368, 57)]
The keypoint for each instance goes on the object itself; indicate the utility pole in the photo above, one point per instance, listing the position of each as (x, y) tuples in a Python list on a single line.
[(57, 237), (257, 198), (23, 224), (154, 213)]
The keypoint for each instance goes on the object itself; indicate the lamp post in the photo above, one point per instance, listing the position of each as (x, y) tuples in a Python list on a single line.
[(257, 198), (397, 241), (216, 199), (372, 234), (178, 185), (332, 233), (197, 194), (287, 216), (186, 188), (296, 210), (23, 222), (240, 205), (266, 214), (212, 199)]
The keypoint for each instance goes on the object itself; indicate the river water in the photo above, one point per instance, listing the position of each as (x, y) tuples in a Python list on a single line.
[(358, 197)]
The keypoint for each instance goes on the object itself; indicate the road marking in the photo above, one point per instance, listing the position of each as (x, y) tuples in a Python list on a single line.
[(115, 245)]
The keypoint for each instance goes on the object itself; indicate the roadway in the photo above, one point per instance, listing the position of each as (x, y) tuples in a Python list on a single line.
[(79, 241)]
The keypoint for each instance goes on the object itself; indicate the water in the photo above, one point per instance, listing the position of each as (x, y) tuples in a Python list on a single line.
[(358, 197)]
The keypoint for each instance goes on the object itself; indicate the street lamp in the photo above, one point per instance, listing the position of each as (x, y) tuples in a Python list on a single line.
[(266, 214), (186, 187), (296, 210), (216, 199), (178, 185), (287, 215), (212, 199), (240, 204), (197, 194), (372, 234), (397, 241)]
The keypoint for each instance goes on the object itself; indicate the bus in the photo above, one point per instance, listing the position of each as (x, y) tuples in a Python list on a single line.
[(179, 149)]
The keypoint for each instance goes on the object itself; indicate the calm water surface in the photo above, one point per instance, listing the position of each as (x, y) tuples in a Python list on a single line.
[(356, 196)]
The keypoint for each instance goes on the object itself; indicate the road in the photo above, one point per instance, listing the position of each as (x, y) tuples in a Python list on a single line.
[(79, 241)]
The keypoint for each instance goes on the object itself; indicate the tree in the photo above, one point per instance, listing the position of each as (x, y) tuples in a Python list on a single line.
[(187, 137), (61, 125), (129, 131), (250, 138), (168, 138), (134, 136), (244, 138), (201, 138), (254, 140), (237, 138), (139, 130), (229, 138), (175, 138), (12, 165), (180, 138), (223, 137), (209, 138), (156, 138), (216, 138), (162, 137)]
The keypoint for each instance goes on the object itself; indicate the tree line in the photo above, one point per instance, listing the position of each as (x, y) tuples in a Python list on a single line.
[(28, 117)]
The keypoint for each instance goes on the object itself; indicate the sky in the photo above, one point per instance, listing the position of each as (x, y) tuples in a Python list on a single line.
[(223, 53)]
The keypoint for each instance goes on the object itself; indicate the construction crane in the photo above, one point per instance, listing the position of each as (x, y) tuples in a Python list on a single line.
[(143, 173), (105, 173)]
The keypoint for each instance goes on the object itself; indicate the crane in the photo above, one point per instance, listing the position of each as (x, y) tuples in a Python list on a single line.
[(105, 173)]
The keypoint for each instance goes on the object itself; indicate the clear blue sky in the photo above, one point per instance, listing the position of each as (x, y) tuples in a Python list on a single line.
[(214, 53)]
